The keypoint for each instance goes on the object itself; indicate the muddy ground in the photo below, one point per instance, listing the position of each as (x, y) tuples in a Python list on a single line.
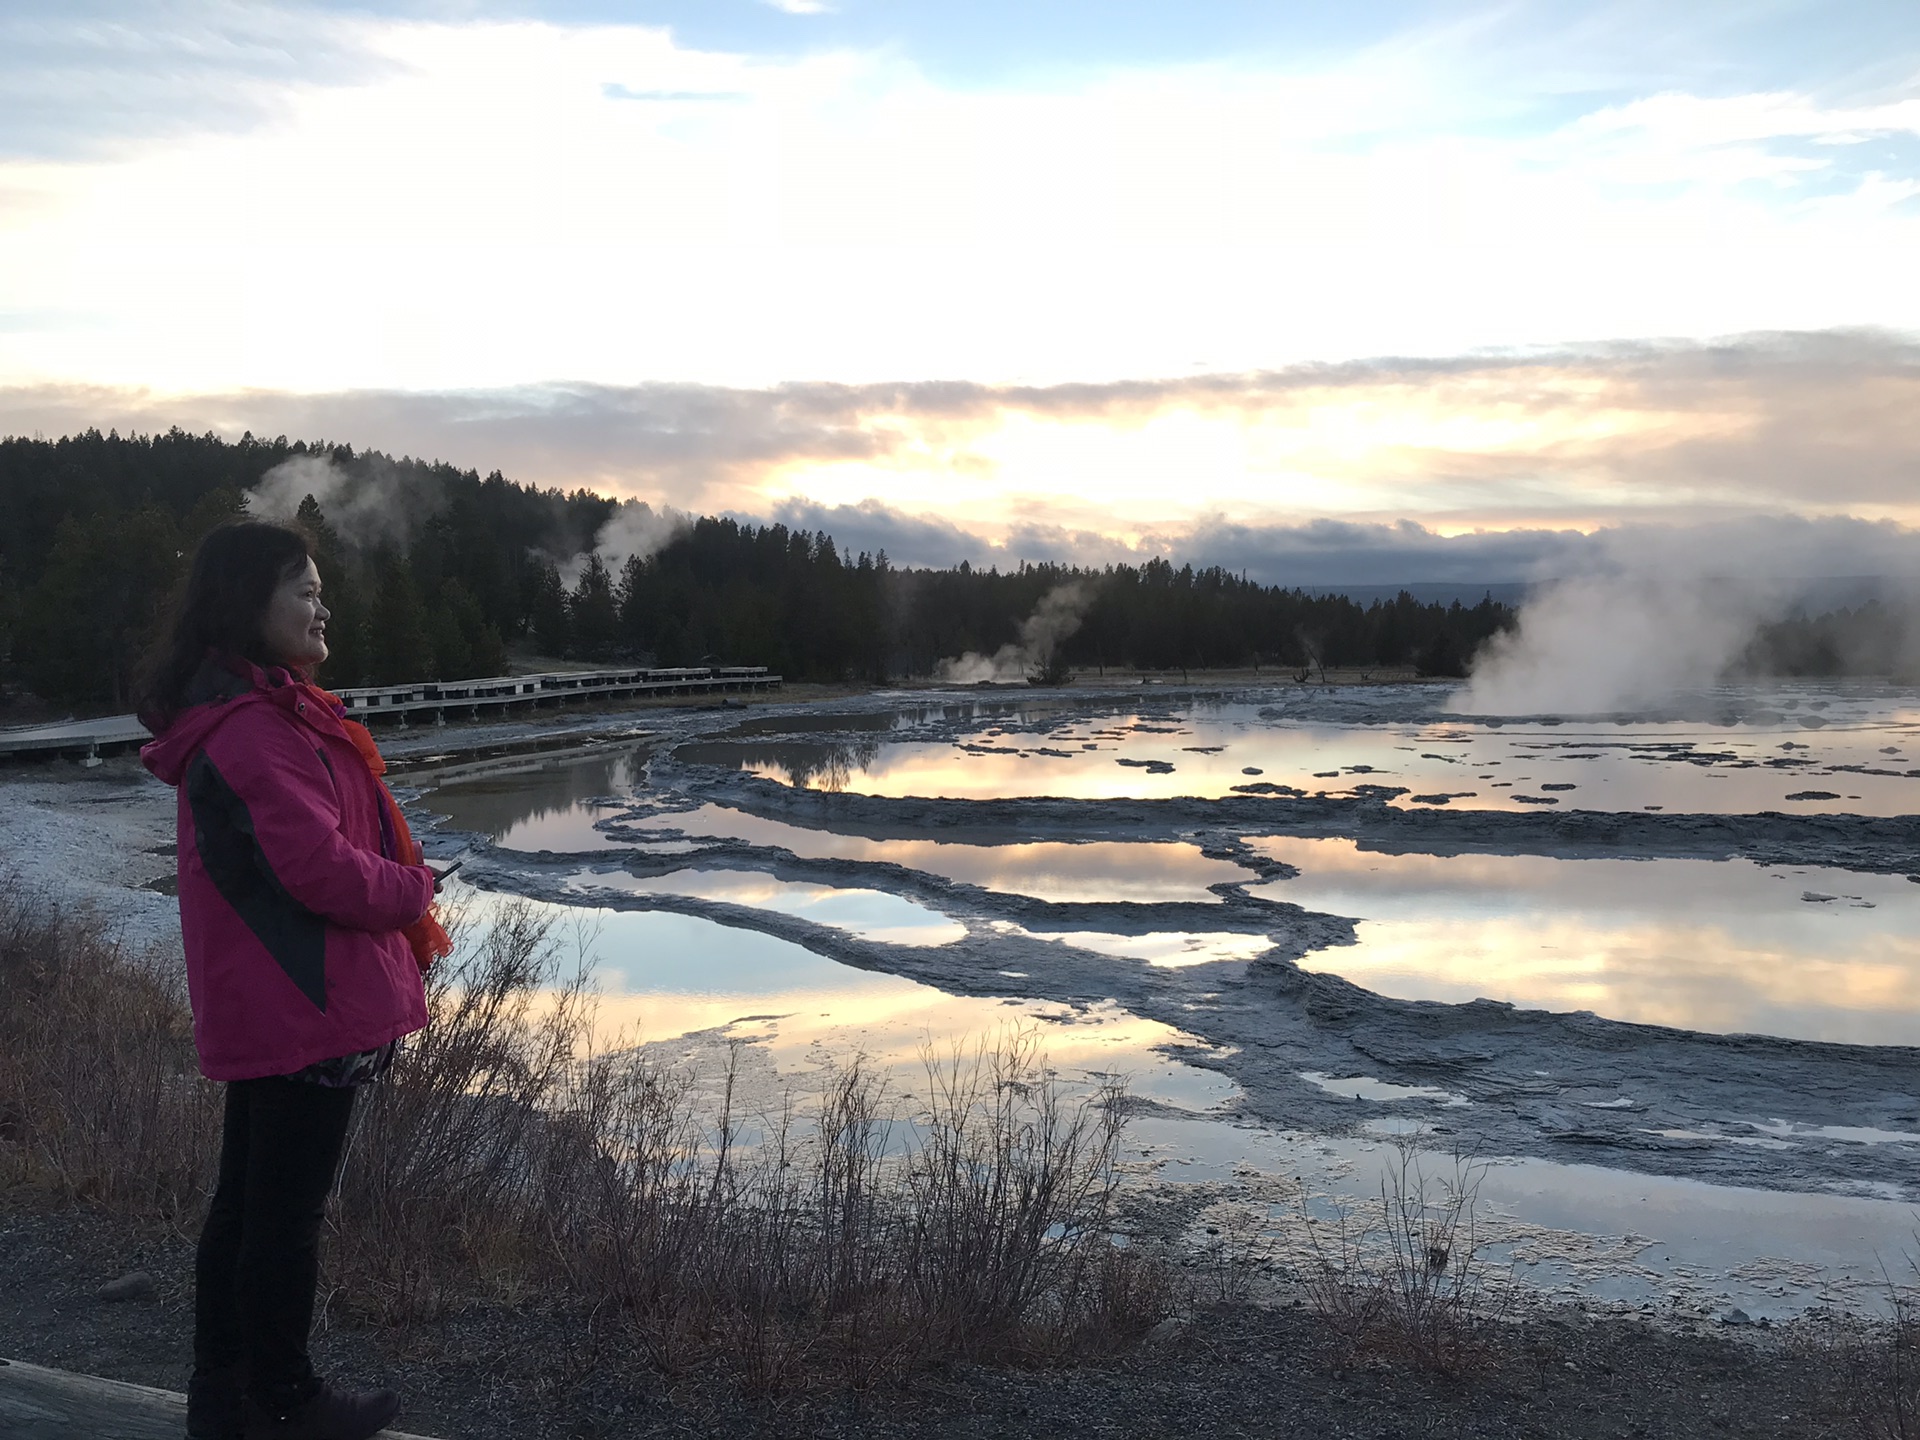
[(529, 1373)]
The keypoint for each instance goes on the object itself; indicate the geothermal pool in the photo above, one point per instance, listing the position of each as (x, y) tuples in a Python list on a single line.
[(1661, 971), (1835, 753)]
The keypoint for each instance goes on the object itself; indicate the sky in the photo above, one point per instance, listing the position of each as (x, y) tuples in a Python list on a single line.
[(1367, 292)]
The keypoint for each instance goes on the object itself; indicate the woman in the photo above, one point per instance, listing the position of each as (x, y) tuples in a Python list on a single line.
[(306, 916)]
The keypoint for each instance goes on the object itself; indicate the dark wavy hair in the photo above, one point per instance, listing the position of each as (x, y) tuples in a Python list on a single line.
[(234, 574)]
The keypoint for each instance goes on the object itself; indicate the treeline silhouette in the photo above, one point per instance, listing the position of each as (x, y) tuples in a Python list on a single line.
[(433, 572), (1871, 638)]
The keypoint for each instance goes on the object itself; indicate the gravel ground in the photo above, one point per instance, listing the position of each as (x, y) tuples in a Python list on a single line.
[(528, 1372)]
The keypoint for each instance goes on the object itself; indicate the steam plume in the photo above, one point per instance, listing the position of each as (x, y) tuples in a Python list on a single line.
[(634, 529), (1665, 612), (376, 503), (1059, 613)]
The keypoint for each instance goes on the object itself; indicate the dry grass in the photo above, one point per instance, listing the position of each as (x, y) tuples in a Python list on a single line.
[(100, 1095), (839, 1241), (1882, 1366), (1407, 1282)]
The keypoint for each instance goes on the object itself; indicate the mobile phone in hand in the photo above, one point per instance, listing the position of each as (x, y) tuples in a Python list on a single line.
[(440, 876)]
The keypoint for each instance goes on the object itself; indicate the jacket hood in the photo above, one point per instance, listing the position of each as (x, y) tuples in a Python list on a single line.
[(220, 689)]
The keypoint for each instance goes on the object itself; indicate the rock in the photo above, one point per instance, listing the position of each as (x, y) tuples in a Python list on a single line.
[(1164, 1335), (1736, 1317), (135, 1286)]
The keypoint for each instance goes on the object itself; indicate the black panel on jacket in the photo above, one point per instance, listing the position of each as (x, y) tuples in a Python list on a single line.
[(223, 834)]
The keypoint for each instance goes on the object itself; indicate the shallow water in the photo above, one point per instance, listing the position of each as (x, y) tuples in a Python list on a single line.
[(1047, 870), (1855, 754), (660, 977), (1726, 946), (869, 914), (1167, 949), (1659, 1243), (544, 805)]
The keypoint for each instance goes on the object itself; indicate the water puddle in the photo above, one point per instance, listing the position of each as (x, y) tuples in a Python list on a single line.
[(1365, 1087), (1164, 949), (1047, 870), (698, 987), (543, 805), (1726, 946), (1845, 1134), (869, 914), (1759, 1142)]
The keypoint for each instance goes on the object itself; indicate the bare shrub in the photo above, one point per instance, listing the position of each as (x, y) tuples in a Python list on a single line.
[(835, 1239), (1408, 1283), (1222, 1269), (100, 1096), (448, 1156), (1883, 1367), (848, 1240)]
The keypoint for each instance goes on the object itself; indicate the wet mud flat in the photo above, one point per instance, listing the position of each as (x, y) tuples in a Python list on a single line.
[(1037, 854)]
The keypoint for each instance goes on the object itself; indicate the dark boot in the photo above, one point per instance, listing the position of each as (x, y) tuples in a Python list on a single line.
[(327, 1414), (214, 1409)]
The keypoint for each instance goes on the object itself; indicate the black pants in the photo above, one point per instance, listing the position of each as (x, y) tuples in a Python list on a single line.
[(259, 1257)]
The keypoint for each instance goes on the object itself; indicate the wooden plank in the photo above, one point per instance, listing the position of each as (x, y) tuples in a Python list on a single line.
[(41, 1404)]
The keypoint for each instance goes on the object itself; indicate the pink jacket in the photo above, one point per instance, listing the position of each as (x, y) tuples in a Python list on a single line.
[(290, 908)]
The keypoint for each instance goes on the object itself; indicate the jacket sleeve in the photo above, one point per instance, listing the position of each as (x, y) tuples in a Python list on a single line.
[(288, 799)]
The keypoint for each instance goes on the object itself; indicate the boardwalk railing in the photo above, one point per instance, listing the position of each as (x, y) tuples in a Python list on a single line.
[(436, 698), (427, 700)]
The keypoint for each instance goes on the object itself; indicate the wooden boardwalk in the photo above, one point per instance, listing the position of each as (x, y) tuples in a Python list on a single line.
[(428, 701), (40, 1404)]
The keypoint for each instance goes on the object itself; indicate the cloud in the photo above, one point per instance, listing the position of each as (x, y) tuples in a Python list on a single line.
[(1316, 554), (1768, 456), (1789, 557), (511, 200), (1818, 423), (672, 97), (920, 541), (86, 78)]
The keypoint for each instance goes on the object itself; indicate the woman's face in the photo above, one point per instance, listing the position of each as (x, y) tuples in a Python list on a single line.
[(295, 625)]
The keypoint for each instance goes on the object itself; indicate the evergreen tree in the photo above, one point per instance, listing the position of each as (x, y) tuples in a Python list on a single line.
[(465, 645), (594, 610), (489, 652), (9, 621), (97, 605), (217, 506), (547, 612), (343, 588), (398, 651), (452, 655)]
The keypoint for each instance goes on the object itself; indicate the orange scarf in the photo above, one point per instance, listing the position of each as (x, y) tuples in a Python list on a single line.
[(429, 941)]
